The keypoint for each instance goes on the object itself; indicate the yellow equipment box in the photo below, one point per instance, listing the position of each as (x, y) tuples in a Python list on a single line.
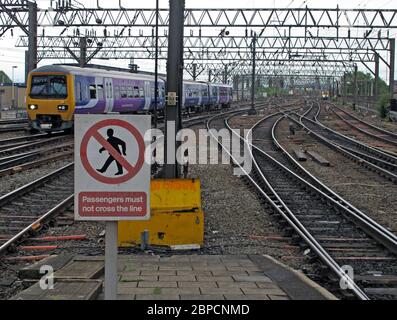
[(177, 217)]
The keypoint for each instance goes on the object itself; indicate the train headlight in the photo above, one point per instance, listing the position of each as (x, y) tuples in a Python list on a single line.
[(63, 108), (33, 107)]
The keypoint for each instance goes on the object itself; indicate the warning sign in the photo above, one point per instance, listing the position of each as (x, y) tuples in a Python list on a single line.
[(112, 179)]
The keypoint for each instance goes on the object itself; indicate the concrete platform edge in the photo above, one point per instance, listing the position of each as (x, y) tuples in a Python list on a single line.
[(308, 289)]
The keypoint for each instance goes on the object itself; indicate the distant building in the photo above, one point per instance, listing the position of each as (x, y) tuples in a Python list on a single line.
[(6, 96)]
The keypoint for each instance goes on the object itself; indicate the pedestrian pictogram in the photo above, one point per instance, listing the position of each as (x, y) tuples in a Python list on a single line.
[(116, 144), (112, 177)]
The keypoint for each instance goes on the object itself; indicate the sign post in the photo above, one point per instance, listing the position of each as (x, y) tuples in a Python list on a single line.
[(112, 178)]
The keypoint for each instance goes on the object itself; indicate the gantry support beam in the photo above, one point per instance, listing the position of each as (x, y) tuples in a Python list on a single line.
[(260, 18), (295, 70), (299, 34), (224, 42), (262, 54)]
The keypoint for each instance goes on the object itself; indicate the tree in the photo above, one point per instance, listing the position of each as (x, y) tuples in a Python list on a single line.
[(362, 77), (384, 94), (4, 78)]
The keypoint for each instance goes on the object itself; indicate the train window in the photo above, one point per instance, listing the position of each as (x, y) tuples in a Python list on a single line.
[(49, 87), (130, 92), (93, 93), (136, 92), (123, 91), (117, 92), (141, 93)]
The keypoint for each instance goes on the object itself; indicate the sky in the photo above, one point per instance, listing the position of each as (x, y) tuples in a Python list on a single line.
[(11, 56)]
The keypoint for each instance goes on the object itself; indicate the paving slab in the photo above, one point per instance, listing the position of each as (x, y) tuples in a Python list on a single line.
[(205, 277), (81, 269), (56, 262), (63, 291), (240, 277)]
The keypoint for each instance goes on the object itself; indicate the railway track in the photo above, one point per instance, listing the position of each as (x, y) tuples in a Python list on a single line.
[(12, 128), (14, 125), (374, 159), (13, 121), (325, 225), (23, 151), (364, 127), (27, 209)]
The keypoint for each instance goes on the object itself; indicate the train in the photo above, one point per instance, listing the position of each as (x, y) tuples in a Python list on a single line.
[(55, 93), (325, 95)]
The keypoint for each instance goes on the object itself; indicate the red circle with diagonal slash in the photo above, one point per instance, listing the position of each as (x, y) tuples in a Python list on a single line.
[(93, 133)]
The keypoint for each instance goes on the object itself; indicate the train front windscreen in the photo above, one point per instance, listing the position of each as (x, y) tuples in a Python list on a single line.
[(49, 87)]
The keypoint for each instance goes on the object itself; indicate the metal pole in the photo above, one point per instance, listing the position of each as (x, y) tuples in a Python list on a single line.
[(13, 90), (156, 68), (225, 76), (111, 251), (32, 58), (376, 90), (355, 86), (26, 66), (242, 87), (253, 84), (236, 84), (194, 71), (392, 65), (174, 86), (83, 52), (209, 75)]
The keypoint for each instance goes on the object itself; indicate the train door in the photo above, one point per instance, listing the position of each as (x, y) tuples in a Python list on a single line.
[(200, 94), (109, 95), (148, 95)]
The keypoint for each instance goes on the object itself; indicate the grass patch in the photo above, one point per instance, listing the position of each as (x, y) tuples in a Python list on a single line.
[(157, 291)]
